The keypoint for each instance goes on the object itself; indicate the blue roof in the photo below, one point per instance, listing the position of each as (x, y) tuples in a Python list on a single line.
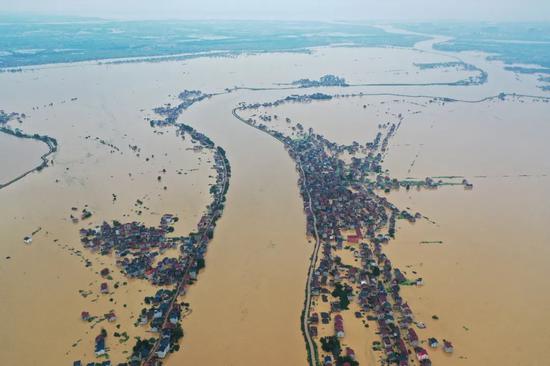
[(100, 345)]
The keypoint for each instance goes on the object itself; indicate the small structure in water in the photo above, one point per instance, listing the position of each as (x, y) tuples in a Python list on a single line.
[(100, 345), (467, 185), (448, 346), (111, 316)]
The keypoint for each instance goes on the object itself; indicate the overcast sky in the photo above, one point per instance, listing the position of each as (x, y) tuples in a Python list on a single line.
[(508, 10)]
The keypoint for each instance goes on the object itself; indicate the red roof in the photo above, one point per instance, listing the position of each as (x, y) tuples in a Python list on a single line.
[(421, 353), (412, 335), (353, 238)]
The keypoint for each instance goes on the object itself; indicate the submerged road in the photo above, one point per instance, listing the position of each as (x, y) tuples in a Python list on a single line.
[(312, 350), (52, 148)]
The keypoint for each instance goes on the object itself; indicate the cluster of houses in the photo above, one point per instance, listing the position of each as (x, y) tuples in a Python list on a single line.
[(139, 251), (160, 310), (343, 208), (126, 238), (349, 353), (136, 247), (171, 113), (294, 98), (326, 80), (163, 317), (110, 316)]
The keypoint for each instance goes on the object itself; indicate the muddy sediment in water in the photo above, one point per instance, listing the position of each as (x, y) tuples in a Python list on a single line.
[(247, 302)]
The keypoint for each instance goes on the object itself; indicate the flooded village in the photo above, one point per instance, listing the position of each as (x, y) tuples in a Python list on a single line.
[(350, 223), (139, 252), (331, 251)]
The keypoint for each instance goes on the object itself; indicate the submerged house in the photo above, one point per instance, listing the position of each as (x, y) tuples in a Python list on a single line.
[(339, 326), (313, 331), (421, 354), (448, 346), (164, 348), (175, 315), (350, 353), (111, 316), (413, 337), (100, 345)]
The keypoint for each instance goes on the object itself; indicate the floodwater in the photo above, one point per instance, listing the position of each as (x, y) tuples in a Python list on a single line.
[(246, 308), (40, 282), (492, 263), (18, 156), (485, 282)]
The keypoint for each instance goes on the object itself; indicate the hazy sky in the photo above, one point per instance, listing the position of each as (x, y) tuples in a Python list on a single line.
[(508, 10)]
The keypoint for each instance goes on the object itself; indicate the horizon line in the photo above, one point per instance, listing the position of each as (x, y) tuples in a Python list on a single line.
[(289, 19)]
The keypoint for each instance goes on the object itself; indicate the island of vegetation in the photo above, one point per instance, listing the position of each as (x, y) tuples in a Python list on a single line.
[(479, 79), (326, 80)]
